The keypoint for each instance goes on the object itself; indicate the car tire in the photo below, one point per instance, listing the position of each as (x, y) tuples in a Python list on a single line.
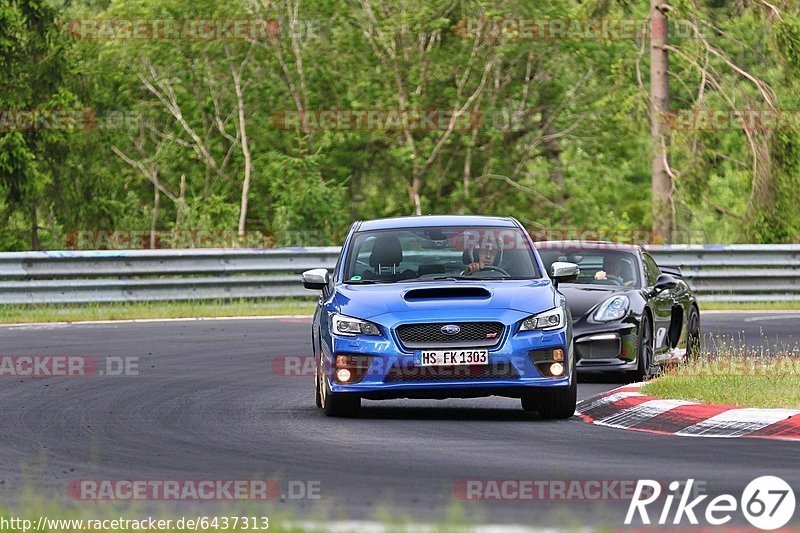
[(337, 405), (693, 335), (645, 351), (554, 403)]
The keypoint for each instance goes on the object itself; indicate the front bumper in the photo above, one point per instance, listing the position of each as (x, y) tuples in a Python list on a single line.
[(511, 355), (611, 346)]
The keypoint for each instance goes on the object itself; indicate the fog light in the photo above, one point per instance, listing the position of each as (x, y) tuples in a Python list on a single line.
[(558, 354), (343, 375), (556, 369)]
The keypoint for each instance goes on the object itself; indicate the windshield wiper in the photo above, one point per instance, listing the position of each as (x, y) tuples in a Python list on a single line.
[(454, 278), (470, 278), (418, 280)]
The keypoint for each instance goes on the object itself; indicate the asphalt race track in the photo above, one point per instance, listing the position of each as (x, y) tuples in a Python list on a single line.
[(210, 401)]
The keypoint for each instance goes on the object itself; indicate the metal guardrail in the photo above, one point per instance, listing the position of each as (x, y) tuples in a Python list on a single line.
[(715, 272), (157, 275), (736, 273)]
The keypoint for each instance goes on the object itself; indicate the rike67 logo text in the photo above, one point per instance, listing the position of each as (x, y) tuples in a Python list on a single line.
[(768, 503)]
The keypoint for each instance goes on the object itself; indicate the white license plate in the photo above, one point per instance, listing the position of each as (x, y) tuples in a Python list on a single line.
[(453, 357)]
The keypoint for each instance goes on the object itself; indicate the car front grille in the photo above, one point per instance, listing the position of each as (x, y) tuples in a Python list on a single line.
[(470, 335), (598, 349), (504, 370)]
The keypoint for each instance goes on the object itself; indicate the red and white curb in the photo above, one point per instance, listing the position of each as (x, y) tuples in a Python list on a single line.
[(627, 408)]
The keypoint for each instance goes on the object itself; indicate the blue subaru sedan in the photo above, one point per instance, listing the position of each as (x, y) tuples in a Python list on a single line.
[(442, 307)]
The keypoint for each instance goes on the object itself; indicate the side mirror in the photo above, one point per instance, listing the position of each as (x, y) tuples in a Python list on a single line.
[(664, 282), (316, 279), (563, 272)]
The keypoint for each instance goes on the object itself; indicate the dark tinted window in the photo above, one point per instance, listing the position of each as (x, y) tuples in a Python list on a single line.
[(651, 270), (598, 266)]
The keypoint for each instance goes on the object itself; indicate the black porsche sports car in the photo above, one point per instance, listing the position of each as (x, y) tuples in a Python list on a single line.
[(629, 314)]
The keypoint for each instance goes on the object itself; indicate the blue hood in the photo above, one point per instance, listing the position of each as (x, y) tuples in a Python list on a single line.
[(371, 301)]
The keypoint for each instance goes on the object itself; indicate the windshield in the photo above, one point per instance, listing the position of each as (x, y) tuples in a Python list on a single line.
[(388, 256), (598, 267)]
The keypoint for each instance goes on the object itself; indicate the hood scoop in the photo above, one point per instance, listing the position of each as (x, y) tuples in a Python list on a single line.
[(446, 293)]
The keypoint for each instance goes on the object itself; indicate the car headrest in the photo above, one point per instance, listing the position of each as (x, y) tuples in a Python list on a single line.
[(386, 251), (627, 271)]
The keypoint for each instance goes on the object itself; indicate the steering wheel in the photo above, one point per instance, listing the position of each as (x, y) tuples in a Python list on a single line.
[(487, 267), (610, 280)]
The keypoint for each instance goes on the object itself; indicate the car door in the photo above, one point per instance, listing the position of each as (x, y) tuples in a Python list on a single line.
[(661, 304)]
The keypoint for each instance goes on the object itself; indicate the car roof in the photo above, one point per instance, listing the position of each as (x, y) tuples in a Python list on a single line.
[(587, 245), (431, 221)]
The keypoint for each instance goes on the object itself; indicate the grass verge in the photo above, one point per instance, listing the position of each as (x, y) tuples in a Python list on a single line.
[(750, 306), (740, 380), (15, 314)]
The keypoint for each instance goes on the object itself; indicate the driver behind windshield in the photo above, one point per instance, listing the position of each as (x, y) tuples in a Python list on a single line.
[(612, 270), (480, 258)]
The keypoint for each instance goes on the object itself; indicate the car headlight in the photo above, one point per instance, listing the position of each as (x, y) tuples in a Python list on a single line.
[(614, 308), (345, 325), (552, 319)]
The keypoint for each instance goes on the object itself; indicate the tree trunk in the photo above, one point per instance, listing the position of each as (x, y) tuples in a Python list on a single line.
[(355, 187), (245, 152), (246, 184), (659, 106), (181, 204), (154, 218), (467, 179), (34, 228), (552, 151), (416, 185)]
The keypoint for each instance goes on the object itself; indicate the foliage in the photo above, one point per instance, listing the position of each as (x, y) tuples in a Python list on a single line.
[(561, 137)]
